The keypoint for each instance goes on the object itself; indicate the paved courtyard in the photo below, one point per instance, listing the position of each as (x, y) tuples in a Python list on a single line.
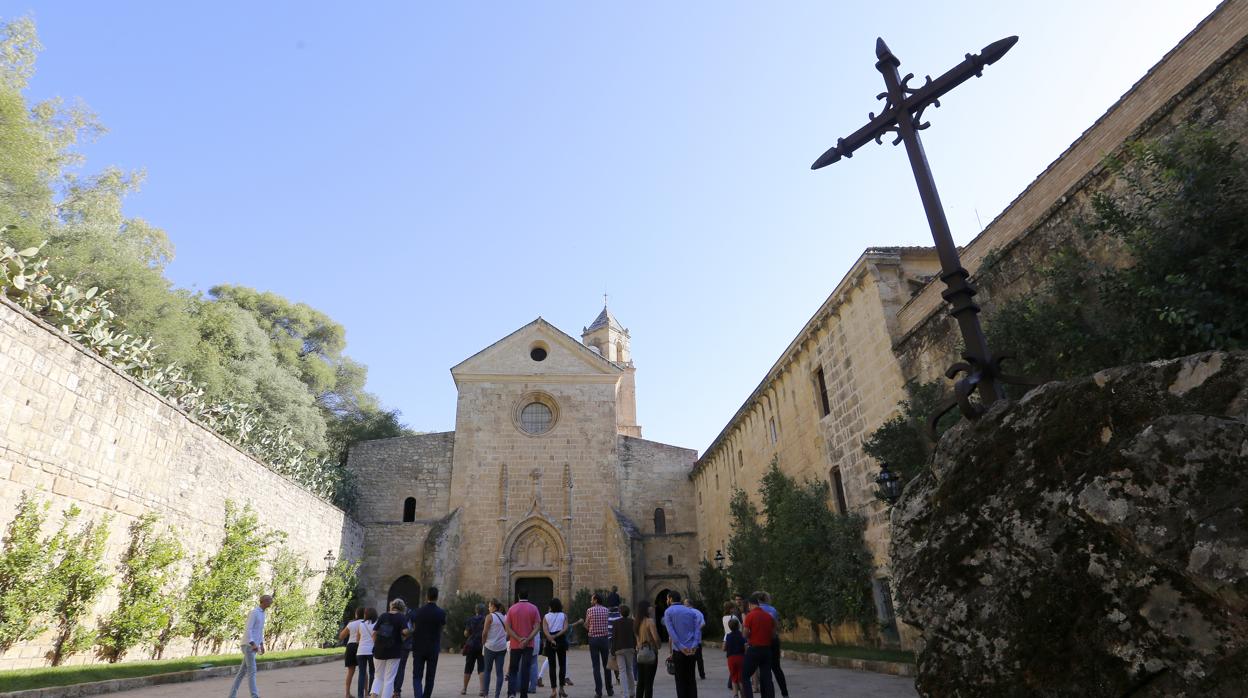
[(326, 680)]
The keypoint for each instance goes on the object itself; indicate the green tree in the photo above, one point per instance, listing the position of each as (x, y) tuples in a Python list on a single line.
[(460, 609), (24, 601), (75, 581), (1180, 215), (332, 600), (748, 558), (148, 569), (225, 583), (713, 590), (292, 612)]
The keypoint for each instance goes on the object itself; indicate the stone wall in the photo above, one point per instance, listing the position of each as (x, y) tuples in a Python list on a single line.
[(78, 431), (1202, 82), (849, 340), (655, 476)]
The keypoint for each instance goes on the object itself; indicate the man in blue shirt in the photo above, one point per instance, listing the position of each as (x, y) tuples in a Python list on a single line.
[(684, 629), (776, 671)]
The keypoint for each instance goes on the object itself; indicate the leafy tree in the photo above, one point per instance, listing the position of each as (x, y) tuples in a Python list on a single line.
[(75, 581), (292, 613), (24, 601), (748, 556), (332, 601), (461, 608), (903, 441), (581, 602), (713, 590), (1181, 218), (223, 585), (147, 570)]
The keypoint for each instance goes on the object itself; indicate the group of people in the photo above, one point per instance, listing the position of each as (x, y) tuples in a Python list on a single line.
[(622, 645)]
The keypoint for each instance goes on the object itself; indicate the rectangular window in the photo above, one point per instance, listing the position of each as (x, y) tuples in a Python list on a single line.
[(740, 460), (772, 424), (823, 392), (838, 491)]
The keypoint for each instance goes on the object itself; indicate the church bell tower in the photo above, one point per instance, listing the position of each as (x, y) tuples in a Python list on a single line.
[(606, 336)]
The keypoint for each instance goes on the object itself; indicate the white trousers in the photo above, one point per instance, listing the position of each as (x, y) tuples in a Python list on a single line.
[(383, 681)]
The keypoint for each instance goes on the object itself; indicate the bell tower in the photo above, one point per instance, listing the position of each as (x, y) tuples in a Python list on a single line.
[(606, 336)]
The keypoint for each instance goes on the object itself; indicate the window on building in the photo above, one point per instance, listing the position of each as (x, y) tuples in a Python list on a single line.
[(822, 384), (660, 521), (716, 480), (740, 460), (670, 560), (409, 509), (535, 418), (772, 425), (838, 490)]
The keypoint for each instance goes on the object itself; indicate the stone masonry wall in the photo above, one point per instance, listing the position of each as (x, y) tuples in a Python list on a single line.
[(656, 476), (78, 431)]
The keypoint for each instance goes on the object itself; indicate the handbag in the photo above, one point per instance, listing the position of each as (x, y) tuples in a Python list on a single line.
[(647, 655), (613, 664), (671, 664)]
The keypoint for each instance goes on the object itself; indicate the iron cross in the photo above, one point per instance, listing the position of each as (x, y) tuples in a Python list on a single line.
[(903, 115)]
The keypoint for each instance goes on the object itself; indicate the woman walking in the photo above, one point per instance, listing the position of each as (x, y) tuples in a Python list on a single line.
[(351, 633), (388, 635), (647, 639), (555, 630), (494, 647), (473, 650), (624, 649), (364, 654)]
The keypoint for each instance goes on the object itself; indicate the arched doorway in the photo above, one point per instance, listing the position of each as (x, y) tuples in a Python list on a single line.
[(535, 562), (406, 588), (660, 605)]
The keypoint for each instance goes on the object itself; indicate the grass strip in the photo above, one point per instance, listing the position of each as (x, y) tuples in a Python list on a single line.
[(853, 652), (44, 677)]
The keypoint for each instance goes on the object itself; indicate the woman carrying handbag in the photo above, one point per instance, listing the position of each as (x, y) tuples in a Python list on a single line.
[(648, 645)]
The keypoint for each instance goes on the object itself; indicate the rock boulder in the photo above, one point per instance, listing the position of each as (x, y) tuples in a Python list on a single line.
[(1088, 540)]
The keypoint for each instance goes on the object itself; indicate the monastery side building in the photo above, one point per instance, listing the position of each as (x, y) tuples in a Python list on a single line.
[(545, 485)]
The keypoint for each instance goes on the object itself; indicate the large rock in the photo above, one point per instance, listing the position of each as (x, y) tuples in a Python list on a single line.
[(1089, 540)]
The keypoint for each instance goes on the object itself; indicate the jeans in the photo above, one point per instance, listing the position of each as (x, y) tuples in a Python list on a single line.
[(398, 677), (387, 670), (775, 667), (494, 661), (599, 650), (757, 659), (534, 674), (519, 670), (424, 665), (686, 678), (645, 679), (627, 659), (364, 674), (248, 669)]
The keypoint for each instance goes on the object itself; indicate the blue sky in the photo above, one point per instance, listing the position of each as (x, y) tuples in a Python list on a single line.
[(435, 175)]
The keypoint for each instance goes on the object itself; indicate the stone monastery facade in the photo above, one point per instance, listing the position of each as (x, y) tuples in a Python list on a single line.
[(545, 484)]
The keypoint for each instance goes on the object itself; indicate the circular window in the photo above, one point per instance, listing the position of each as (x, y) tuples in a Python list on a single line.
[(538, 354), (536, 418)]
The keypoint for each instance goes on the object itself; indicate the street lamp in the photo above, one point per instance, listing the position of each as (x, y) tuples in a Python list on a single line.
[(719, 560), (329, 561), (888, 485)]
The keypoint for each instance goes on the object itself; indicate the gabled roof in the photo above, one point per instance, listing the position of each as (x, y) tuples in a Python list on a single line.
[(593, 358), (605, 319)]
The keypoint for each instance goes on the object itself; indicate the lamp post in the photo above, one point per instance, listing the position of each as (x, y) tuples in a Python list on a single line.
[(719, 560), (887, 485), (329, 561)]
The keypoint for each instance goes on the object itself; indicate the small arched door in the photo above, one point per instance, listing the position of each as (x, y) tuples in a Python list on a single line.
[(406, 588)]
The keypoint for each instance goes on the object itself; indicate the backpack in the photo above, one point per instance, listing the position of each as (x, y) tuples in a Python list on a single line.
[(388, 637)]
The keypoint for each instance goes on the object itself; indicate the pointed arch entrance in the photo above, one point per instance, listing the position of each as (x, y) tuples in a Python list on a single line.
[(406, 588), (535, 559)]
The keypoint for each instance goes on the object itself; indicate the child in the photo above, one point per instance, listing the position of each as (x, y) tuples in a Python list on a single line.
[(734, 647)]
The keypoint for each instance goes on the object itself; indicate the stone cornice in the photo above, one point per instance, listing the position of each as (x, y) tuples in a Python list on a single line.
[(606, 379)]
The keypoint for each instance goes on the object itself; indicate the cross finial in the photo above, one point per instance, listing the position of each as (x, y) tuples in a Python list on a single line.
[(604, 300)]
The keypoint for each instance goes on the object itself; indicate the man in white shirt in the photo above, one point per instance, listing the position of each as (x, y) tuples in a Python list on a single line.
[(253, 644)]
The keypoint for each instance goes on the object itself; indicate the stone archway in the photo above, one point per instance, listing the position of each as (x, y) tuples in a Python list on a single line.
[(406, 588), (535, 550)]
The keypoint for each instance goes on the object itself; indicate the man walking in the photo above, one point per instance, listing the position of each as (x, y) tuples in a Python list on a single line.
[(523, 622), (759, 629), (597, 626), (427, 622), (684, 629), (253, 644), (775, 644)]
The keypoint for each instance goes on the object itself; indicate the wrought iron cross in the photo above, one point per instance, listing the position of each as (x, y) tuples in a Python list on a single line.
[(903, 115)]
